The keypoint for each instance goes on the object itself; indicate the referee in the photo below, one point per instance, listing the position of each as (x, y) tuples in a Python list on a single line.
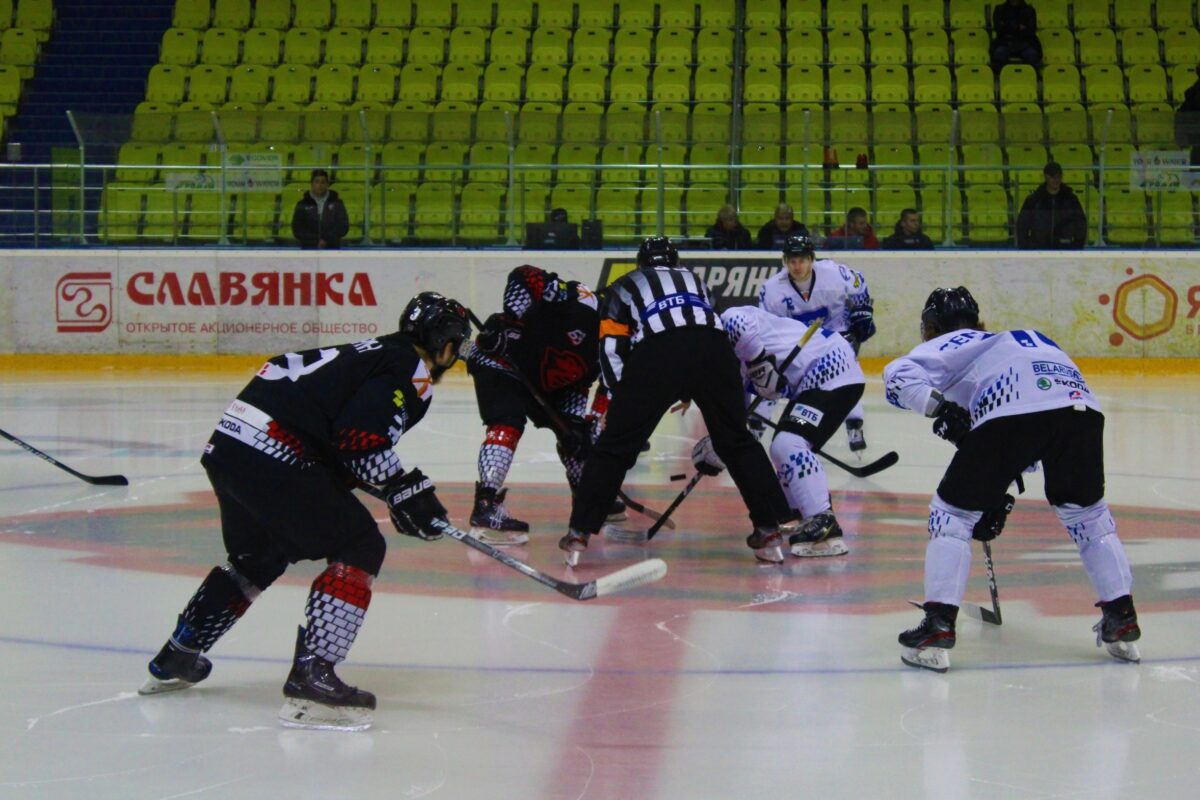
[(662, 341)]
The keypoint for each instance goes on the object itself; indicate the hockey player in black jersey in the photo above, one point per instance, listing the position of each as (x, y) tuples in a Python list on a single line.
[(661, 342), (283, 461), (547, 337)]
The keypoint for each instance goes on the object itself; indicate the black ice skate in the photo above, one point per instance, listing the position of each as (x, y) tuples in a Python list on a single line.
[(174, 668), (490, 522), (1118, 629), (573, 544), (317, 697), (854, 435), (925, 646), (820, 536), (616, 512), (767, 544)]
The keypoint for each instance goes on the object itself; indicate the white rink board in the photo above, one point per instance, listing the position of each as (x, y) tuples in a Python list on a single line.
[(1117, 303)]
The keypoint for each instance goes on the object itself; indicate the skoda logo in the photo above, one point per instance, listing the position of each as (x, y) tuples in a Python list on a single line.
[(1043, 384)]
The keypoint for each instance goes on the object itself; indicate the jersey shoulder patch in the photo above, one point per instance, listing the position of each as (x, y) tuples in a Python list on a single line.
[(423, 382)]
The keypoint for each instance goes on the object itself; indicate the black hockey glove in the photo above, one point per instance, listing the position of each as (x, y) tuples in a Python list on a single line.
[(705, 458), (575, 442), (765, 377), (498, 335), (852, 339), (951, 421), (991, 524), (862, 323), (414, 508)]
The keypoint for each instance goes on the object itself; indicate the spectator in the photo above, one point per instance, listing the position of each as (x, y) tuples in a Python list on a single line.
[(1014, 35), (782, 227), (320, 220), (1187, 120), (908, 234), (727, 233), (856, 234), (1052, 217)]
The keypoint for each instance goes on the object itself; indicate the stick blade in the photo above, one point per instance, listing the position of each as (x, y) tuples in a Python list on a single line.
[(980, 613), (631, 577), (888, 459), (109, 480)]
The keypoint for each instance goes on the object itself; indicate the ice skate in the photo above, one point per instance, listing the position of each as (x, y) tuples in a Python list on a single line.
[(1118, 629), (317, 698), (175, 668), (926, 645), (854, 435), (767, 545), (490, 522), (616, 513), (573, 544), (819, 537)]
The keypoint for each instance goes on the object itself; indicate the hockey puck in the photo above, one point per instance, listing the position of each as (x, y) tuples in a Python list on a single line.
[(678, 477)]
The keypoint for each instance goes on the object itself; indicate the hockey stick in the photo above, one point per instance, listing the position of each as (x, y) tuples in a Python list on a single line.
[(787, 362), (557, 421), (665, 518), (95, 480), (888, 459), (992, 615), (630, 577)]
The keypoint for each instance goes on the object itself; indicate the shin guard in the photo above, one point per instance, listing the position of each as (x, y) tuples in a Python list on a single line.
[(337, 604)]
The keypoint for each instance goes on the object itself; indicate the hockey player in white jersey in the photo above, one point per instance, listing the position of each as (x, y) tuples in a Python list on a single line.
[(821, 384), (807, 289), (1007, 400)]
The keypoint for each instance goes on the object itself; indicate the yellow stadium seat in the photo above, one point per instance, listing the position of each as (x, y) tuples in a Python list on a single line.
[(970, 46), (891, 123), (538, 122), (627, 82), (926, 14), (261, 46), (847, 84), (1173, 13), (273, 14), (577, 163), (761, 84), (551, 13), (502, 82), (1155, 125), (544, 83), (931, 84), (1147, 83), (756, 204), (1077, 162), (353, 164), (622, 162), (515, 13), (1018, 84), (718, 13), (452, 121), (710, 163), (846, 46), (889, 84), (166, 83), (1058, 46), (460, 82), (426, 45), (400, 162), (434, 212), (391, 209), (194, 122), (481, 212), (676, 13), (616, 208), (672, 83), (763, 14), (761, 122), (1060, 83), (591, 46), (1111, 122), (934, 122), (550, 45), (596, 14), (1139, 46), (667, 160), (121, 212), (293, 83), (418, 82), (279, 121), (978, 122), (1180, 45), (805, 47), (673, 46), (528, 206), (180, 46), (844, 13), (255, 217), (324, 122), (1116, 158), (1025, 165), (444, 162), (713, 84), (582, 122), (191, 14), (764, 47), (1066, 123), (494, 120), (988, 220), (941, 213), (635, 13), (1091, 14), (767, 156), (376, 84), (181, 157), (231, 14), (386, 46), (1097, 46), (344, 46), (1172, 217), (711, 122), (975, 84), (302, 46), (805, 84), (432, 14), (137, 162), (982, 163), (335, 83), (508, 46), (890, 201), (1182, 77), (899, 158), (884, 15), (968, 14), (585, 83), (531, 162), (848, 122), (889, 47), (222, 46), (208, 83), (701, 204), (575, 199), (632, 46), (239, 122), (930, 46), (1053, 14), (312, 14), (479, 13), (625, 122), (1124, 215), (1023, 123)]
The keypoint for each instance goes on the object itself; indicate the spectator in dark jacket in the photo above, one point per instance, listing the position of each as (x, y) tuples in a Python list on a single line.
[(727, 233), (782, 227), (908, 234), (1052, 217), (856, 234), (1187, 120), (320, 220), (1014, 35)]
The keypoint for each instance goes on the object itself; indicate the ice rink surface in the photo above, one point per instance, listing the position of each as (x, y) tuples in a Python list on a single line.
[(724, 680)]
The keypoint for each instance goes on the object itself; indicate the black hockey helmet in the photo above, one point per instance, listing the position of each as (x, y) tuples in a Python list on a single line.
[(950, 309), (432, 320), (799, 245), (657, 251)]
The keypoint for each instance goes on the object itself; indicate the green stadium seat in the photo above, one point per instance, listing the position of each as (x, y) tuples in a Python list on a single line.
[(444, 161), (701, 204), (673, 46), (713, 158), (239, 122), (468, 45), (180, 46), (222, 46), (719, 13), (538, 122), (393, 14), (668, 122), (616, 208), (889, 47), (929, 46), (1182, 77), (1053, 14), (1018, 84), (931, 84), (452, 121), (400, 162), (293, 83), (978, 122), (969, 14), (761, 122), (231, 14), (574, 198), (805, 84), (844, 13), (1116, 159), (767, 156), (635, 13), (162, 218), (926, 14), (582, 122), (1155, 125), (585, 83), (551, 13), (1060, 83), (434, 212), (344, 46), (970, 46), (166, 83), (502, 83), (324, 121), (494, 120), (121, 212), (152, 122), (1058, 46), (1124, 216), (515, 13), (622, 161), (550, 46), (884, 15), (1097, 46), (764, 47), (302, 46), (354, 14), (713, 84), (261, 46), (576, 163), (889, 84), (804, 47), (1139, 46), (386, 46), (842, 199), (544, 83), (714, 47), (988, 220), (625, 122), (848, 122), (408, 121), (191, 14), (846, 46), (975, 84), (1174, 13), (711, 122), (353, 164), (481, 213), (890, 201), (895, 156), (627, 82), (418, 82), (274, 14), (137, 162), (599, 13), (255, 216), (495, 154), (672, 211), (1077, 162), (934, 122), (761, 84), (941, 213), (194, 122), (1091, 14), (677, 13), (508, 45), (426, 46), (1147, 83), (1023, 123), (764, 14), (1180, 45), (1025, 163), (391, 210), (756, 204), (208, 83), (335, 83), (847, 84), (982, 163), (891, 123), (669, 160), (1066, 123), (632, 46), (312, 14), (1119, 128), (181, 157), (1173, 218), (591, 46), (376, 84), (279, 121), (461, 82)]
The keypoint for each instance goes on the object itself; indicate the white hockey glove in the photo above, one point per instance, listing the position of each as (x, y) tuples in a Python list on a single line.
[(705, 459), (414, 508), (765, 376)]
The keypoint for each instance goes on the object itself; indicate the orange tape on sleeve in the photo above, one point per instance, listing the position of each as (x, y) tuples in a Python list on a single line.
[(610, 328)]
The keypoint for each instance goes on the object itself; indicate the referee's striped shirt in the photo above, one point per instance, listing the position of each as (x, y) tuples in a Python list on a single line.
[(649, 301)]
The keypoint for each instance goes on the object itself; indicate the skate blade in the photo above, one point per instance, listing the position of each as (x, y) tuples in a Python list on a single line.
[(624, 535), (620, 516), (571, 557), (500, 538), (311, 715), (935, 659), (769, 555), (155, 686), (825, 549), (1124, 651)]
